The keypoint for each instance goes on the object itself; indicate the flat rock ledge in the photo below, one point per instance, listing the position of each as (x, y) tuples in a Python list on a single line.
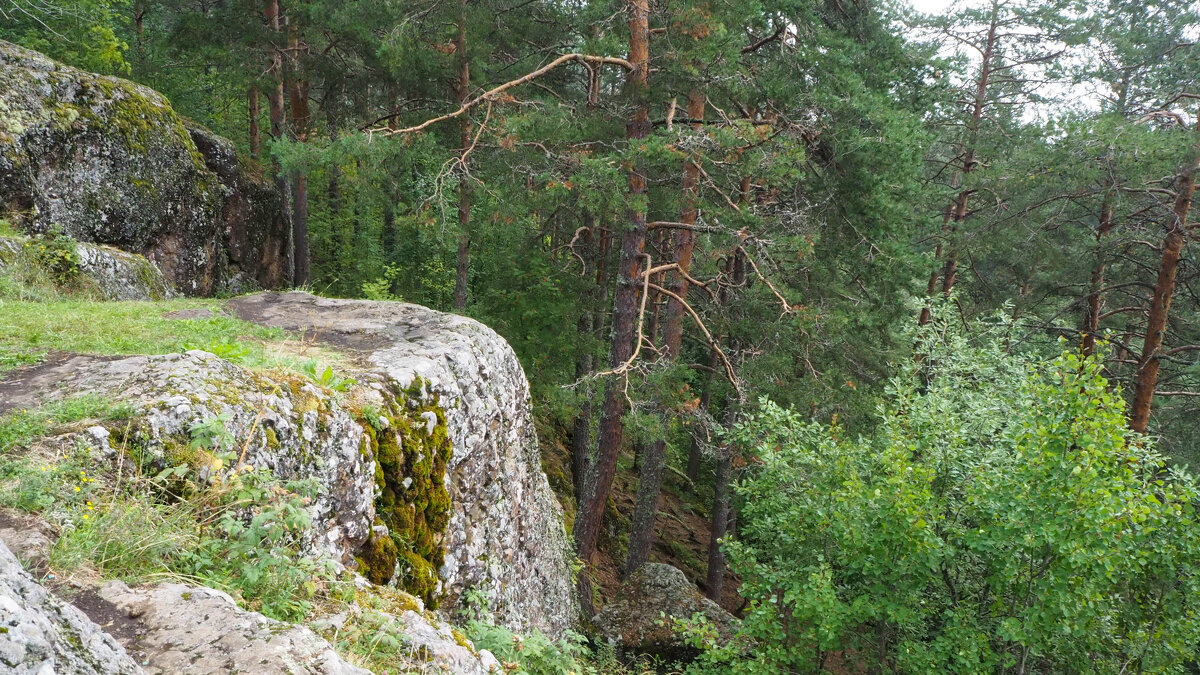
[(192, 629), (42, 635)]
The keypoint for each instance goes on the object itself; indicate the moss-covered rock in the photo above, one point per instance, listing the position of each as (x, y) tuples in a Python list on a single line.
[(97, 271), (108, 161), (640, 619), (445, 407)]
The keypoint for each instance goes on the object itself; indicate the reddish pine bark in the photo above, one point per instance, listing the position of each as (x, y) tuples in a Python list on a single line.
[(625, 302), (1164, 290), (641, 535)]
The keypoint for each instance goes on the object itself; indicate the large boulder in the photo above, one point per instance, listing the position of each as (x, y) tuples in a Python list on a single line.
[(505, 537), (42, 635), (428, 471), (108, 161), (640, 619)]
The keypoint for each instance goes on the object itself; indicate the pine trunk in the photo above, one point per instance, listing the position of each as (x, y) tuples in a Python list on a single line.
[(1164, 289), (625, 301), (715, 578), (298, 97), (253, 111), (641, 536), (1095, 298), (957, 214), (463, 90), (276, 112)]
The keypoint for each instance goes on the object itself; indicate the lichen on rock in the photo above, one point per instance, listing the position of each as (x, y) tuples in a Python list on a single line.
[(108, 161), (41, 634)]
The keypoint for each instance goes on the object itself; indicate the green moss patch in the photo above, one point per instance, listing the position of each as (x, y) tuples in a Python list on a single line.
[(411, 452)]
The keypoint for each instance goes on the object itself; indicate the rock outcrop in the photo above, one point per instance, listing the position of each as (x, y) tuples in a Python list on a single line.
[(429, 476), (42, 635), (108, 161), (640, 618), (505, 536), (108, 273), (179, 629)]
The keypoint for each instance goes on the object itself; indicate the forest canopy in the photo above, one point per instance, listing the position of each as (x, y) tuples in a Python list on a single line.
[(906, 303)]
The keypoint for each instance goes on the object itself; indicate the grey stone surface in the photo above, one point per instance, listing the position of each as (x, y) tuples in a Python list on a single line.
[(295, 429), (42, 635), (634, 619), (110, 273), (108, 161), (444, 652), (506, 536), (27, 536), (185, 630)]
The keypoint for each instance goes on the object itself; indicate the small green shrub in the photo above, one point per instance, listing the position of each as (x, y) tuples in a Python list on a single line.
[(56, 254), (374, 639), (252, 550), (326, 378), (381, 287)]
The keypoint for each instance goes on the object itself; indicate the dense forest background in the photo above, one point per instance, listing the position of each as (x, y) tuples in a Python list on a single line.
[(675, 209)]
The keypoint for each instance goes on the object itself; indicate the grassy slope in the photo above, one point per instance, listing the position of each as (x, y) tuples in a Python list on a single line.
[(29, 330)]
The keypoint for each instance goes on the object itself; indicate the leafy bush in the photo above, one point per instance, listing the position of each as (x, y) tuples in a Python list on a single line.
[(55, 253), (326, 378), (255, 553), (1003, 520)]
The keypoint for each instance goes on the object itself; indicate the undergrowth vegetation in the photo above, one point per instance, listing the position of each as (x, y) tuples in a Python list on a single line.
[(238, 530), (1002, 520)]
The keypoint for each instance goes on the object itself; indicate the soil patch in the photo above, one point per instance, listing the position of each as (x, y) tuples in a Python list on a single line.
[(114, 621), (24, 387)]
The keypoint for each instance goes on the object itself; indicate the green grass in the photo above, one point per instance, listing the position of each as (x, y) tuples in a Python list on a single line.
[(19, 427), (14, 357), (30, 329), (132, 538)]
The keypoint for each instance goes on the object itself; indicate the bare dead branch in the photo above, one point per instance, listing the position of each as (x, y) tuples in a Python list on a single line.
[(492, 93)]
